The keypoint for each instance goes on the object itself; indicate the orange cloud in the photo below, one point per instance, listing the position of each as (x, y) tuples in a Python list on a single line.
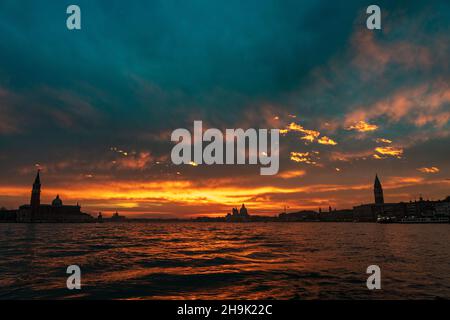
[(382, 140), (374, 56), (421, 105), (212, 196), (326, 140), (305, 157), (429, 170), (363, 126), (388, 151), (292, 174), (309, 135), (378, 157), (132, 194)]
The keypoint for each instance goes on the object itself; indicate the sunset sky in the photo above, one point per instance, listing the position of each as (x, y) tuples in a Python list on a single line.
[(94, 109)]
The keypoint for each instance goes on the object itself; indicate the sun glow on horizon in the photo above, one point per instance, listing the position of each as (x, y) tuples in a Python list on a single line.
[(137, 197)]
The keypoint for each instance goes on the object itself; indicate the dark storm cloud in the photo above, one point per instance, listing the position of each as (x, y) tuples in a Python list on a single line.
[(146, 66), (256, 48)]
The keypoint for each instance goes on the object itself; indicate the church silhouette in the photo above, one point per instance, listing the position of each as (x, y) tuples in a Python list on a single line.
[(55, 212)]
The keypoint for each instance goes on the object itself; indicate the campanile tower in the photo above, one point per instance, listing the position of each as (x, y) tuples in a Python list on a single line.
[(378, 191), (36, 193)]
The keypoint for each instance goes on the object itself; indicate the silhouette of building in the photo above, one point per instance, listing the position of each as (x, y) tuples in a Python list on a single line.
[(370, 212), (57, 202), (304, 215), (378, 191), (56, 212), (35, 201), (116, 217), (243, 211), (399, 211), (442, 208), (8, 215), (238, 215), (344, 215)]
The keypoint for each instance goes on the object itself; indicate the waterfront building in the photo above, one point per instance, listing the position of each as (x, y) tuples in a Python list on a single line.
[(370, 212), (378, 191), (116, 217), (8, 215), (55, 212), (442, 208), (240, 215)]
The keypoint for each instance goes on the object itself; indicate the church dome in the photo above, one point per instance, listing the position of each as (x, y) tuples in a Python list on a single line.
[(57, 202), (243, 210)]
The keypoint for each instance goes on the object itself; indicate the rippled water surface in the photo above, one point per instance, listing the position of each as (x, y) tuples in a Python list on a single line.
[(219, 260)]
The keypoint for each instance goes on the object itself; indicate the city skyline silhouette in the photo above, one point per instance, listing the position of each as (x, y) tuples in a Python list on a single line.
[(36, 211)]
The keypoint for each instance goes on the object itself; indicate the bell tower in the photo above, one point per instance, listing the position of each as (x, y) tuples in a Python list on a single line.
[(36, 193), (378, 191)]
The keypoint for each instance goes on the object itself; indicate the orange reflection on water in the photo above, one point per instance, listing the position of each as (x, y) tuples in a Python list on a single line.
[(224, 261)]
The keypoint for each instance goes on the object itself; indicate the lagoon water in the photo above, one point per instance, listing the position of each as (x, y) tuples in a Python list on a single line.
[(224, 261)]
